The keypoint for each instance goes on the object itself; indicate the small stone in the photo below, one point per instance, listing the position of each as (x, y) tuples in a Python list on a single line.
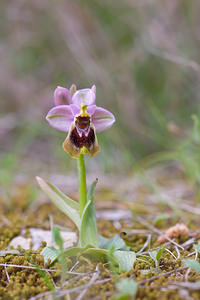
[(20, 241), (39, 235)]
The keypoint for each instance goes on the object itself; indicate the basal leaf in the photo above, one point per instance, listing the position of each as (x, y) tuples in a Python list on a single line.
[(88, 230), (153, 255), (91, 190), (116, 241), (159, 254), (67, 199), (49, 253), (125, 259), (74, 251), (127, 286), (67, 206), (96, 254), (57, 237), (193, 264), (197, 247)]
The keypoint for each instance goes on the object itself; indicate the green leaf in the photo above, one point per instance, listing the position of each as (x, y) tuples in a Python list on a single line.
[(121, 297), (57, 237), (91, 190), (97, 254), (197, 247), (65, 204), (75, 251), (144, 260), (196, 128), (125, 259), (88, 229), (67, 199), (161, 218), (193, 264), (116, 241), (153, 255), (127, 286), (159, 254), (94, 253), (49, 253)]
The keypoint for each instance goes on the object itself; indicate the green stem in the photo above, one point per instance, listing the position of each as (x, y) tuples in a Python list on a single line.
[(82, 183)]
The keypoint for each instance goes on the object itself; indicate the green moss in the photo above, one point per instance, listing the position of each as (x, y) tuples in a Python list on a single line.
[(26, 283)]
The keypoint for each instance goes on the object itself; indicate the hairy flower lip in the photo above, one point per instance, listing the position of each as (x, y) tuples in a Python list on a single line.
[(83, 125), (76, 144)]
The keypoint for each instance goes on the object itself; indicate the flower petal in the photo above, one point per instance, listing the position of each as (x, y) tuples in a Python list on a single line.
[(72, 89), (93, 88), (75, 109), (60, 117), (91, 109), (62, 96), (84, 96), (102, 119)]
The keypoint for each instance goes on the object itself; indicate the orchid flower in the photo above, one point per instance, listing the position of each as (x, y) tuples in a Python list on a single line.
[(76, 112)]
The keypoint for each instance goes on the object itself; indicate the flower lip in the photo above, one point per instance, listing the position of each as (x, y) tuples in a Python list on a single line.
[(82, 122), (81, 141)]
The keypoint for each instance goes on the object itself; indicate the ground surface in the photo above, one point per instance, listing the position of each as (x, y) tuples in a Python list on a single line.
[(143, 206)]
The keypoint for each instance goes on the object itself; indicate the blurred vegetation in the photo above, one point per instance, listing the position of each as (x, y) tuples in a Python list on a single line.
[(143, 57)]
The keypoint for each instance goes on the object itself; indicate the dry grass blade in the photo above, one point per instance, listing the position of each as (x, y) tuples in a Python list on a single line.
[(85, 286), (187, 285), (178, 252), (191, 209), (36, 268), (188, 243), (145, 244), (160, 233), (171, 253), (93, 279), (72, 290), (161, 274), (7, 275), (26, 267)]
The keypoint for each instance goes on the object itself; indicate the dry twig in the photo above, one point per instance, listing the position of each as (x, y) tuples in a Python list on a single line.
[(160, 233), (60, 293), (93, 279), (162, 274)]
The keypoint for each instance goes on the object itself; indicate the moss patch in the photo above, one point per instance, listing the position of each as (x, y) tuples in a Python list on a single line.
[(23, 283)]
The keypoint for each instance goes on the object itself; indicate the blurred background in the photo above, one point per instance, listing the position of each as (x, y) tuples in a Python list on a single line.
[(143, 57)]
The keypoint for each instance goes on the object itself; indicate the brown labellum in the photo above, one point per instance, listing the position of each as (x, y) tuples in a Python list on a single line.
[(81, 136)]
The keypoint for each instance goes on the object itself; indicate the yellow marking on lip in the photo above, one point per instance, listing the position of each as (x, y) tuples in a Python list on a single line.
[(84, 112)]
